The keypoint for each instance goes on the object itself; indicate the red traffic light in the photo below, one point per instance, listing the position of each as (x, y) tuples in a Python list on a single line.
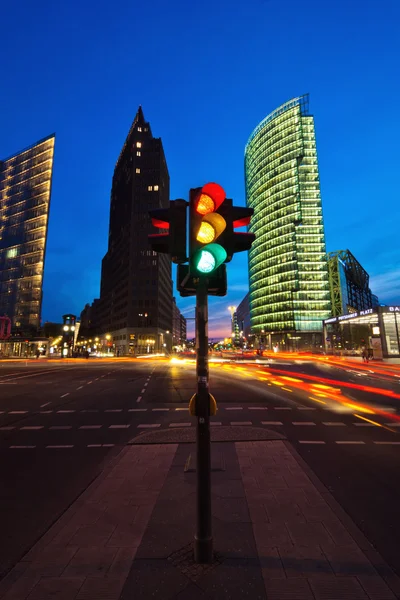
[(209, 198)]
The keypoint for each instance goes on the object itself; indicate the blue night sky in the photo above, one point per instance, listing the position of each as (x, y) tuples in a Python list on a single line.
[(205, 74)]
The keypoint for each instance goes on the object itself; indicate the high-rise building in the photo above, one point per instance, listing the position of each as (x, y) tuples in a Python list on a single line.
[(288, 273), (135, 304), (25, 190), (243, 317), (349, 284)]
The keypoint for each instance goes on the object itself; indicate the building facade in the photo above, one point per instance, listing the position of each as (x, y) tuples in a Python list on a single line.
[(348, 283), (288, 273), (135, 304), (25, 191), (243, 318)]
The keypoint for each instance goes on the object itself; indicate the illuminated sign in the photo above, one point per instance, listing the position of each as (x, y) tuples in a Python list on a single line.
[(361, 313), (394, 308)]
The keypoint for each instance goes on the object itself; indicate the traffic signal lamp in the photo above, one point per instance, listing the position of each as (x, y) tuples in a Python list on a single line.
[(173, 241), (206, 225), (236, 216)]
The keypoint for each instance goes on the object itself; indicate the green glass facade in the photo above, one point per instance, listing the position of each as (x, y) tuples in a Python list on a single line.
[(288, 274)]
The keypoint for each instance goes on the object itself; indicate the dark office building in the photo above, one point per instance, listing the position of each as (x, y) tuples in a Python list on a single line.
[(243, 317), (25, 189), (135, 304)]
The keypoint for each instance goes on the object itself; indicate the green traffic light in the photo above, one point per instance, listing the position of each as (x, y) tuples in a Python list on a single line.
[(209, 258)]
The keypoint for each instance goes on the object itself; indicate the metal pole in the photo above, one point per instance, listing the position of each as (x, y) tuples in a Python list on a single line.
[(203, 546)]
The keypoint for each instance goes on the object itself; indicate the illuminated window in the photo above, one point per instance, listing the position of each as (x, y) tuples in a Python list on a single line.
[(156, 188), (139, 129), (149, 188), (12, 252), (138, 153), (137, 170), (138, 144)]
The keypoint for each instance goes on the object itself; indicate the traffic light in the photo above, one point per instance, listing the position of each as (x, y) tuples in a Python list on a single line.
[(174, 241), (212, 236), (206, 225), (236, 216)]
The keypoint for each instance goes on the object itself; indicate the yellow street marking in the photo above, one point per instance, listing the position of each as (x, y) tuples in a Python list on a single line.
[(315, 400)]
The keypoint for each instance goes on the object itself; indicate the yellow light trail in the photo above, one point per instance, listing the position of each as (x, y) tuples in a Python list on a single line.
[(368, 411), (315, 400), (287, 389), (374, 423)]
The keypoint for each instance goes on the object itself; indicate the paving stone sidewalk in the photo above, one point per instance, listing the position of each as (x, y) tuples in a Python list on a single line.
[(278, 534)]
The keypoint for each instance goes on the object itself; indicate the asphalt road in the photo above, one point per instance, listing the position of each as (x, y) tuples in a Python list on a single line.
[(61, 422)]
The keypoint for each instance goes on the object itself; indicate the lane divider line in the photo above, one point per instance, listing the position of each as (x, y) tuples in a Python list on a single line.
[(137, 409), (61, 446), (80, 387), (308, 423), (21, 447), (90, 426), (118, 426), (138, 399), (180, 425), (311, 442), (143, 391), (32, 427), (45, 404), (334, 424), (149, 425), (271, 423), (352, 442), (241, 423), (63, 396)]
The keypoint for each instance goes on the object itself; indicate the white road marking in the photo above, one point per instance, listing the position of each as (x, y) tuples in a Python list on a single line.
[(149, 425), (118, 426), (303, 423), (271, 423), (364, 424), (180, 424), (17, 412), (334, 424), (387, 443), (311, 442), (32, 427), (146, 384), (257, 408), (241, 423), (66, 411), (234, 408), (6, 428), (306, 408), (61, 446), (90, 427), (282, 408), (45, 404), (80, 387), (138, 399), (160, 409), (63, 396), (350, 442), (89, 382), (113, 410), (181, 408), (45, 412), (215, 423), (143, 391), (22, 447), (393, 424), (137, 409)]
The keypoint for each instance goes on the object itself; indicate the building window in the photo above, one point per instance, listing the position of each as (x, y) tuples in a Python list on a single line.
[(138, 153), (139, 129), (138, 144), (12, 252), (156, 188), (137, 170), (149, 188)]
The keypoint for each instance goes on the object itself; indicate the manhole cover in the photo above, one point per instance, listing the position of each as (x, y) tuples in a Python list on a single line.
[(183, 560)]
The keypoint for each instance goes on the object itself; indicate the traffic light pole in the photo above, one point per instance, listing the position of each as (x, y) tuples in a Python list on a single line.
[(203, 543)]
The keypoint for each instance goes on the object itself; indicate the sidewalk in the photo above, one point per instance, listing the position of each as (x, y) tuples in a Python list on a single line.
[(278, 534)]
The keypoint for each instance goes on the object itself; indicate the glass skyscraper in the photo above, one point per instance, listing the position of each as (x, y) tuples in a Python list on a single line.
[(288, 274), (25, 188)]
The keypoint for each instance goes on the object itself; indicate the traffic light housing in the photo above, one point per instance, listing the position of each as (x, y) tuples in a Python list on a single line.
[(206, 228), (236, 216), (173, 241)]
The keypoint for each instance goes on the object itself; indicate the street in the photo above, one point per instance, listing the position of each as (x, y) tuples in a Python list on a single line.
[(61, 422)]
